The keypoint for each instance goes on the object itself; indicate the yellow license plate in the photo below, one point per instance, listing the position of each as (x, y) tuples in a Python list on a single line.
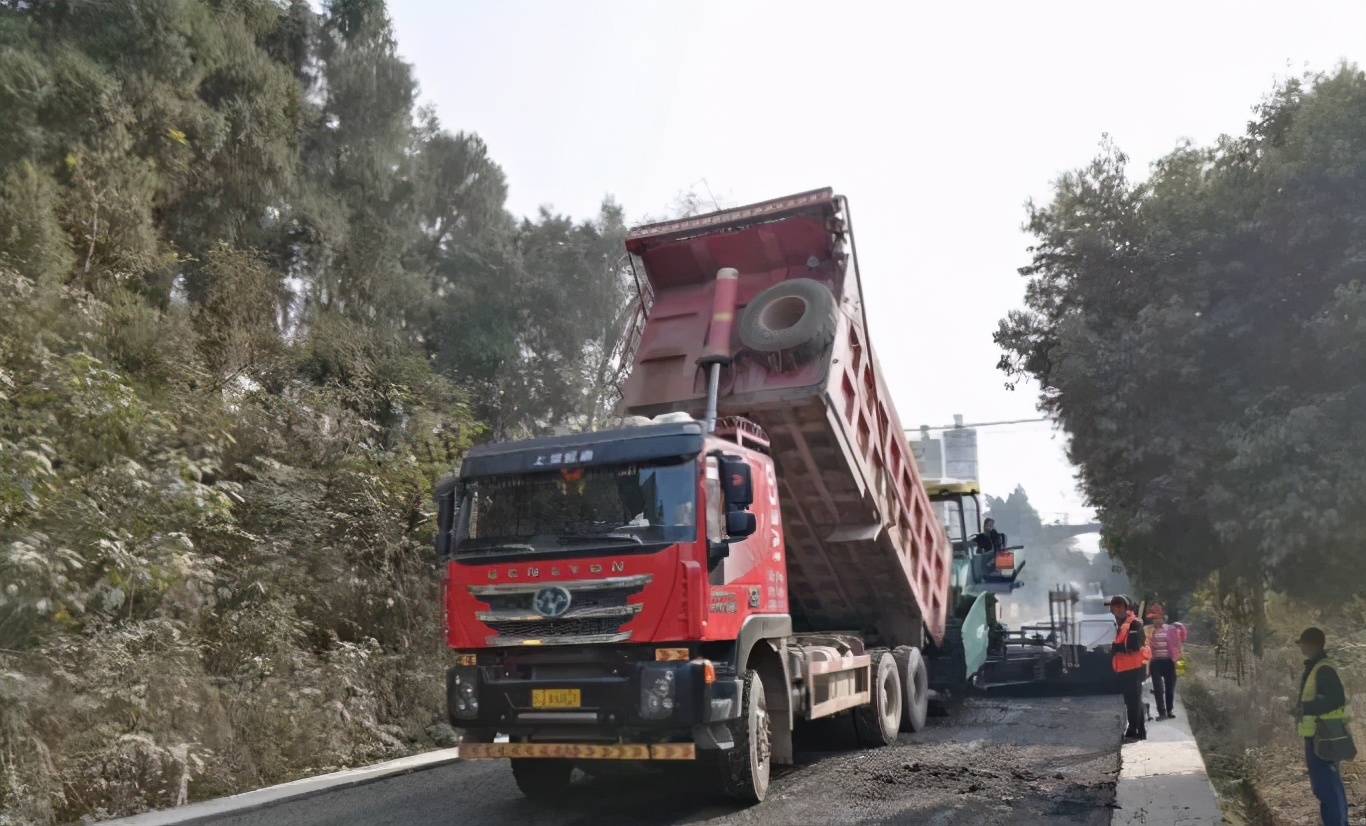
[(555, 698)]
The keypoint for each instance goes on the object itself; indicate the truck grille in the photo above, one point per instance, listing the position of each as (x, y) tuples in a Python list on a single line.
[(598, 608), (515, 632)]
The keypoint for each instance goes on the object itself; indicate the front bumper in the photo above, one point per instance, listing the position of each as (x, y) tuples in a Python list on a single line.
[(597, 696), (579, 751)]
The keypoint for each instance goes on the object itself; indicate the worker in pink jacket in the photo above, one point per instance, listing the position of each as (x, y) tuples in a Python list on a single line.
[(1165, 641)]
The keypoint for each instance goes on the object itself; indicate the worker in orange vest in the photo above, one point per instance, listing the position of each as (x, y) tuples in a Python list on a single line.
[(1129, 656)]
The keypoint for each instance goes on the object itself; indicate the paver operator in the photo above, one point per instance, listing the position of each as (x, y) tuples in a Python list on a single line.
[(990, 540)]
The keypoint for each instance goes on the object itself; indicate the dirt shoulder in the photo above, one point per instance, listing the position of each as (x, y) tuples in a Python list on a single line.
[(1247, 737)]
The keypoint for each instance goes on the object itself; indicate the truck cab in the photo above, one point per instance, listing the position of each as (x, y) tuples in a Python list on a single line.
[(598, 586)]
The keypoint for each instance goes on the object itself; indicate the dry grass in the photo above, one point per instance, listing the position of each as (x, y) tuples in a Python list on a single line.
[(110, 727), (1246, 729)]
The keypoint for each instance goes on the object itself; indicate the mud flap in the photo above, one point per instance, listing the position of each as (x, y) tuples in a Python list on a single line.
[(713, 737)]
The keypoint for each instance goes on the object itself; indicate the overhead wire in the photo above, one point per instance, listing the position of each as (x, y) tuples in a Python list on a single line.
[(977, 425)]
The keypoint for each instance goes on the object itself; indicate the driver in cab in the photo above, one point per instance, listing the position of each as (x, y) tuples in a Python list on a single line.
[(990, 540)]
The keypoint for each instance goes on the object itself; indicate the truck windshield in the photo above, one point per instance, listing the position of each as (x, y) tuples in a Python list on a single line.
[(959, 517), (623, 507)]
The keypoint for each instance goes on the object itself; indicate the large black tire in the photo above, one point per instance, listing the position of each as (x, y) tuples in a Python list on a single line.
[(745, 768), (542, 780), (915, 687), (795, 317), (878, 723)]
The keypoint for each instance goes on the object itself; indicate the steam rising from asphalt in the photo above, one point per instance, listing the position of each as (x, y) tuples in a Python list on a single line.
[(1059, 564)]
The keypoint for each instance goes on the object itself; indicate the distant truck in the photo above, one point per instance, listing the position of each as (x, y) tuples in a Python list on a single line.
[(757, 549)]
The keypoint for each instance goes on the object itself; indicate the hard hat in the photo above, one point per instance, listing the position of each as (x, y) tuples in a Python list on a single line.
[(1118, 599), (1313, 636)]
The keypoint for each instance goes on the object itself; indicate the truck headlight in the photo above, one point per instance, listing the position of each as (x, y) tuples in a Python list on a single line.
[(462, 693), (658, 688)]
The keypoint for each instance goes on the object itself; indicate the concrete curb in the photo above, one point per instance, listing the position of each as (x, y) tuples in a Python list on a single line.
[(1163, 779), (286, 791)]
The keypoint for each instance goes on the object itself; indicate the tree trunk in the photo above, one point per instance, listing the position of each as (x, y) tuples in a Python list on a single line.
[(1257, 594)]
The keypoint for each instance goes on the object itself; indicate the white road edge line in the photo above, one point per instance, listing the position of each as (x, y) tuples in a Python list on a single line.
[(285, 791)]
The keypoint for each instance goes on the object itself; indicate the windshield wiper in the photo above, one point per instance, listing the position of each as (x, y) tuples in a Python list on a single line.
[(501, 546), (581, 538)]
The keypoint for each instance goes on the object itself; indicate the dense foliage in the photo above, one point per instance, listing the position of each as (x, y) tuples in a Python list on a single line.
[(254, 303), (1201, 335)]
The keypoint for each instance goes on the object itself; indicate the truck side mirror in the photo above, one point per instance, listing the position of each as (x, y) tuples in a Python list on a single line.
[(737, 483), (740, 524)]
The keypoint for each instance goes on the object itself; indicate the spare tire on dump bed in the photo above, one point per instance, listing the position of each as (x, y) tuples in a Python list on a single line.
[(795, 317)]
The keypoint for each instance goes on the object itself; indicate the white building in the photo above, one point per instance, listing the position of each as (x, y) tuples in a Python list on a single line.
[(951, 455)]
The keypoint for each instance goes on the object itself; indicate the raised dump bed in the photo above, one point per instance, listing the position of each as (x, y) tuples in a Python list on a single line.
[(785, 319)]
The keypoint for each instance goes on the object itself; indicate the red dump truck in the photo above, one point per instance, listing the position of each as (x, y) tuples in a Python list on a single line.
[(755, 549)]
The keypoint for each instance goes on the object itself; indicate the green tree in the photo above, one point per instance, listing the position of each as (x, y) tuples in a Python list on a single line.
[(573, 309), (219, 422), (255, 305), (1015, 516), (1198, 335)]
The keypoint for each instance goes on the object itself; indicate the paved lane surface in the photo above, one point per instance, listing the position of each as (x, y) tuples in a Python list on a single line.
[(1041, 761)]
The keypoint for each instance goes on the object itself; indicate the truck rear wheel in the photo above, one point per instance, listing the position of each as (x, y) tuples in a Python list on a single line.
[(878, 723), (542, 780), (796, 317), (915, 685), (745, 767)]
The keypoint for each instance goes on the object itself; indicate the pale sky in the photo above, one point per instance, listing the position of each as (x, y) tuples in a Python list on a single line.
[(937, 120)]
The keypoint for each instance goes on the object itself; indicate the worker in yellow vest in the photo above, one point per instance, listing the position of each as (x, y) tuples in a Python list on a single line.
[(1321, 698), (1129, 655)]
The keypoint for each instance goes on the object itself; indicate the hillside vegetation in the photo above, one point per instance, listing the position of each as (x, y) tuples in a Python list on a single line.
[(254, 303)]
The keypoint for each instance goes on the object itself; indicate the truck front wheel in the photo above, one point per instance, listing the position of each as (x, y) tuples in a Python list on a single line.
[(878, 723), (745, 767), (542, 780)]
